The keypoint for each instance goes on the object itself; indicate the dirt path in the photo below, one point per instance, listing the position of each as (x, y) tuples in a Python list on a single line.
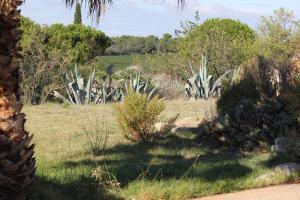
[(283, 192)]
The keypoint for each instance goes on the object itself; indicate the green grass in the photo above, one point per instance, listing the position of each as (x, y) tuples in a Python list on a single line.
[(172, 167), (119, 62)]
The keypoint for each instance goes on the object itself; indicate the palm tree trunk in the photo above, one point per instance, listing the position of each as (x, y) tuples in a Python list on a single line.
[(17, 162)]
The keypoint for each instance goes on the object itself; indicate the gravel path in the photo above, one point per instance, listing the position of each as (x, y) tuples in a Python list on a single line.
[(282, 192)]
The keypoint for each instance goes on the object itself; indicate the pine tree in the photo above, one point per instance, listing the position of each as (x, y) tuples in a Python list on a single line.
[(77, 15)]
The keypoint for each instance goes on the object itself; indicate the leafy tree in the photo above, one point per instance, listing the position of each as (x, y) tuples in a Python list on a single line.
[(41, 70), (167, 43), (279, 36), (77, 15), (127, 45), (279, 39), (76, 42), (151, 43), (225, 42)]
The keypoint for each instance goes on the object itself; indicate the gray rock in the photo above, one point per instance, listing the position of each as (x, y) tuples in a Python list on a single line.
[(288, 168), (163, 127), (283, 145), (266, 177)]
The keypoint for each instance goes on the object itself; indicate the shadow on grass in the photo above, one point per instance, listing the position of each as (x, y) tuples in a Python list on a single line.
[(168, 157), (83, 188), (275, 160), (225, 172), (172, 156)]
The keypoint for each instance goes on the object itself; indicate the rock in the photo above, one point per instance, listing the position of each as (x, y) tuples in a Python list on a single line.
[(296, 149), (219, 126), (189, 124), (283, 145), (163, 127), (183, 129), (266, 177), (288, 168)]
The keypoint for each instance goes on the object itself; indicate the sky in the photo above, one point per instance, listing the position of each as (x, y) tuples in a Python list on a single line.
[(156, 17)]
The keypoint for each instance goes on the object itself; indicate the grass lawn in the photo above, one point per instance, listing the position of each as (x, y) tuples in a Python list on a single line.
[(172, 167)]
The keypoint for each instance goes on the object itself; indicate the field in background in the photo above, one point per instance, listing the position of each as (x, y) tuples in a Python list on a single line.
[(119, 62), (173, 167)]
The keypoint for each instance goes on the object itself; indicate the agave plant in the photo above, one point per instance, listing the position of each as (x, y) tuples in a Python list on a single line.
[(78, 93), (201, 85), (139, 86), (93, 92), (104, 92)]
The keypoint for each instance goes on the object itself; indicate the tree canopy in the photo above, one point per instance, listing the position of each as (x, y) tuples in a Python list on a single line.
[(77, 15), (225, 42), (77, 42)]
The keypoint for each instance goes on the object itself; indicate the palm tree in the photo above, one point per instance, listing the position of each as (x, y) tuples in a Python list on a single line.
[(17, 162)]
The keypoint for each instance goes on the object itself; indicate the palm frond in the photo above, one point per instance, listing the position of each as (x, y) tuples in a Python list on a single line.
[(95, 7)]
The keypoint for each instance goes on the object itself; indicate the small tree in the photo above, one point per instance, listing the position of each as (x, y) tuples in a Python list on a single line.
[(225, 42), (137, 116), (77, 15), (279, 39)]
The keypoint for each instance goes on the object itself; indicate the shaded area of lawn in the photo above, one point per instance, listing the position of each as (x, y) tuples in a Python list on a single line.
[(170, 167), (69, 183)]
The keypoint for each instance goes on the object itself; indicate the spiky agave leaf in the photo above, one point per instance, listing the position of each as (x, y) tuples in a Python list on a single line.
[(202, 85), (218, 83), (89, 87)]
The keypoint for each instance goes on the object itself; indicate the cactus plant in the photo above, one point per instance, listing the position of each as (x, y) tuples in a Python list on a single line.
[(104, 92), (139, 86), (201, 85), (93, 92)]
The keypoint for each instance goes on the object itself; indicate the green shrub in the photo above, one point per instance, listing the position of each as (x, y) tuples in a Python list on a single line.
[(77, 43), (137, 116), (231, 95), (251, 114), (225, 42)]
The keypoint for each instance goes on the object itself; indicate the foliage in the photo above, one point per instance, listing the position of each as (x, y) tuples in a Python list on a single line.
[(93, 92), (137, 85), (252, 125), (225, 42), (279, 35), (201, 85), (232, 94), (168, 87), (97, 134), (77, 15), (167, 43), (105, 179), (78, 93), (137, 116), (49, 51), (279, 38), (250, 112), (116, 62), (107, 91), (187, 26), (41, 70), (171, 64), (129, 45), (77, 43)]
